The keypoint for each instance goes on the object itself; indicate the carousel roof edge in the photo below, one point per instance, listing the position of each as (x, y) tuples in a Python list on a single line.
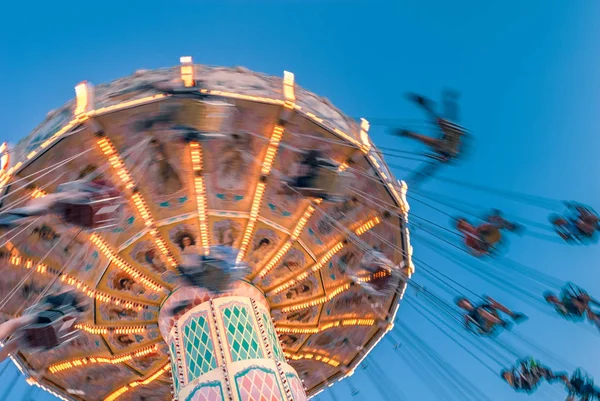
[(236, 79)]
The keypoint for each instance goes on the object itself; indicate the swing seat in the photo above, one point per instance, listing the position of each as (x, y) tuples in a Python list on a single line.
[(381, 282), (54, 328), (328, 183), (215, 272), (479, 326), (490, 234), (93, 205), (190, 134), (13, 218), (214, 275), (374, 261)]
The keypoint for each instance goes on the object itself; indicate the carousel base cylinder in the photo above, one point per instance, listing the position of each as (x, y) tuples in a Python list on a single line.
[(226, 348)]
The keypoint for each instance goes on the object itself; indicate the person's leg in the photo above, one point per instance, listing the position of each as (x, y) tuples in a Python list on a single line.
[(490, 318), (594, 318), (9, 348), (9, 328), (514, 315), (554, 301), (581, 305), (500, 307), (431, 142)]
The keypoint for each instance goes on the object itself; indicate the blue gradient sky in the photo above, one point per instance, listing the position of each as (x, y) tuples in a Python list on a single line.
[(528, 71)]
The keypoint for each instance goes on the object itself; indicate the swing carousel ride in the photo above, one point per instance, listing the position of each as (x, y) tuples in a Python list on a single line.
[(117, 193), (200, 233)]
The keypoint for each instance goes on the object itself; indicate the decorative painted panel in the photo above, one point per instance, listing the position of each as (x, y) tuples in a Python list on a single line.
[(210, 391), (258, 384), (242, 335), (198, 346)]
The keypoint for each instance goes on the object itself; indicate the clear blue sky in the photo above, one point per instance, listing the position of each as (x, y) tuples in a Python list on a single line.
[(528, 71)]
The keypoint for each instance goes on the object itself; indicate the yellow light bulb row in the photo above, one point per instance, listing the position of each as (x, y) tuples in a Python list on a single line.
[(326, 326), (72, 281), (341, 133), (338, 290), (363, 228), (243, 97), (260, 189), (129, 330), (105, 330), (302, 222), (153, 377), (272, 150), (286, 247), (319, 301), (314, 268), (374, 276), (136, 383), (316, 357), (140, 205), (122, 265), (364, 135), (117, 393), (125, 105), (269, 266), (96, 240), (38, 193), (62, 366), (28, 264), (99, 295), (74, 122), (196, 155), (162, 246), (11, 171), (115, 161), (287, 103)]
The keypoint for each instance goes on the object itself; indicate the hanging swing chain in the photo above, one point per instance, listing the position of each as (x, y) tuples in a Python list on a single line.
[(27, 197), (451, 373), (549, 203), (47, 170), (421, 310), (490, 352), (58, 165), (8, 297), (486, 275), (436, 199), (62, 270)]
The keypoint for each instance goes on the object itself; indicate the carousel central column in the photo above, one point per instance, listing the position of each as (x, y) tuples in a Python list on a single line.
[(226, 347)]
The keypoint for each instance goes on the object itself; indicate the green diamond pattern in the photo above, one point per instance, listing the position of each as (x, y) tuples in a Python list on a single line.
[(241, 334), (174, 367), (277, 351), (199, 350)]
